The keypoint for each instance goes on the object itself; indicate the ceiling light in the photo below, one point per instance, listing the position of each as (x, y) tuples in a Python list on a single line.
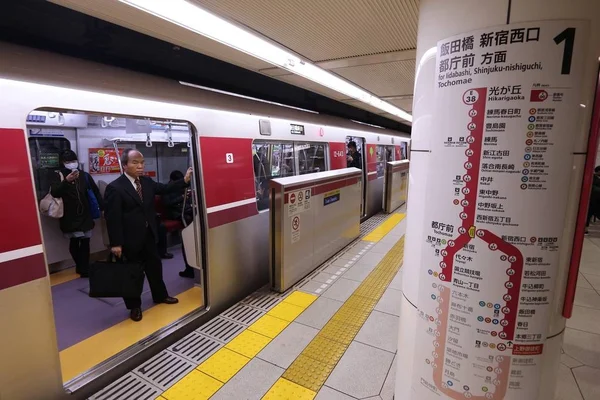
[(245, 97), (194, 18)]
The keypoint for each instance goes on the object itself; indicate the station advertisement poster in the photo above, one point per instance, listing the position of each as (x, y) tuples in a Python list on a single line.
[(104, 161), (506, 103)]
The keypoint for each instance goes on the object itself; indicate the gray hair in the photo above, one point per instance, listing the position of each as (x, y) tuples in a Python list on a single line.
[(125, 155)]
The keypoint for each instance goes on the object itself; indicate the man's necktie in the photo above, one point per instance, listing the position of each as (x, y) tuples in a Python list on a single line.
[(138, 188)]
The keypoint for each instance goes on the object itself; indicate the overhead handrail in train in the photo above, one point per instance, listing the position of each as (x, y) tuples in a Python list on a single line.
[(169, 135)]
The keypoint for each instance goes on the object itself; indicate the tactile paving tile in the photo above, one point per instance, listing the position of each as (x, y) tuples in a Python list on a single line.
[(300, 299), (223, 365), (248, 343), (339, 332), (308, 372), (325, 350), (286, 311), (194, 386), (286, 390), (269, 326)]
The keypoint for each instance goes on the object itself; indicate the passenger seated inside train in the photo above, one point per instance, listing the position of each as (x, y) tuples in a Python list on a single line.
[(71, 184)]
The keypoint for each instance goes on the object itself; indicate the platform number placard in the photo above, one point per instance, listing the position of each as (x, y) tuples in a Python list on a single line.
[(229, 158)]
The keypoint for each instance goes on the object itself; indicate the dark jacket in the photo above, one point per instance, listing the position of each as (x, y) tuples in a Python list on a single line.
[(356, 161), (173, 203), (127, 216), (77, 215)]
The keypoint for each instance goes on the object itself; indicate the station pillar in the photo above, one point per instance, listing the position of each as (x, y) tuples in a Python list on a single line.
[(503, 103)]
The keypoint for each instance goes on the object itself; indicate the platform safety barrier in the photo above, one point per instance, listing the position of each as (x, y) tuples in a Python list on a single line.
[(312, 217), (396, 185)]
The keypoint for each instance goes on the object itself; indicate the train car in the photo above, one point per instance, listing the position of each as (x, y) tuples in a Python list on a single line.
[(50, 103)]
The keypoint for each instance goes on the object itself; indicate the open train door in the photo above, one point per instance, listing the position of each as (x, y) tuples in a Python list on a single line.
[(191, 235)]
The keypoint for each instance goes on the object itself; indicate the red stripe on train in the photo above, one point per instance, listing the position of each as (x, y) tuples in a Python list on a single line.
[(19, 211), (232, 214), (22, 270)]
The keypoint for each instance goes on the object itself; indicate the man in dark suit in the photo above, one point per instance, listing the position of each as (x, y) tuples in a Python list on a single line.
[(131, 223)]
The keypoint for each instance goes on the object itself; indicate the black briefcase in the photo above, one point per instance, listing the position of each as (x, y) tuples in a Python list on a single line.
[(116, 278)]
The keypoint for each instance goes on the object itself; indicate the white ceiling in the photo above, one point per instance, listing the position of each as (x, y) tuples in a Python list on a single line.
[(368, 42)]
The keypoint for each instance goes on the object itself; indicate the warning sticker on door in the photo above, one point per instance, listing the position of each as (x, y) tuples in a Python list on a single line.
[(295, 229), (298, 201)]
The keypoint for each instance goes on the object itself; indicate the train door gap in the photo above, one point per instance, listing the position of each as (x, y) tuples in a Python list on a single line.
[(88, 146)]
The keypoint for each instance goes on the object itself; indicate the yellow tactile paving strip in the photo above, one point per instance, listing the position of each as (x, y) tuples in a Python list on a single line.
[(316, 362), (208, 377), (378, 233)]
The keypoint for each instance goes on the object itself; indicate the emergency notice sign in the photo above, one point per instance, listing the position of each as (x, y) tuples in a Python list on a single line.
[(508, 98), (298, 201)]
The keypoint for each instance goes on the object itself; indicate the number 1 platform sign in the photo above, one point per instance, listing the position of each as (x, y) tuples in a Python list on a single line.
[(508, 98)]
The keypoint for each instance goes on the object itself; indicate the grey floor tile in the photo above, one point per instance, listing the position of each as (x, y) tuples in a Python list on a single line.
[(396, 283), (373, 398), (390, 302), (344, 263), (333, 269), (372, 258), (252, 382), (319, 312), (566, 387), (361, 371), (314, 287), (569, 361), (588, 379), (585, 319), (387, 391), (582, 346), (327, 393), (594, 280), (587, 298), (359, 272), (583, 282), (324, 277), (341, 290), (382, 247), (284, 349), (381, 331)]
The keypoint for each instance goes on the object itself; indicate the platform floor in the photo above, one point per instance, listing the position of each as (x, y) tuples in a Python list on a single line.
[(334, 336)]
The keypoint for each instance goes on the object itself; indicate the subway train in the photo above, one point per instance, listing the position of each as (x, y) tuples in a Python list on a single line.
[(235, 145)]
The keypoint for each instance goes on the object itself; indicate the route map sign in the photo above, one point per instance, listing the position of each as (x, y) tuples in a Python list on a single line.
[(506, 101)]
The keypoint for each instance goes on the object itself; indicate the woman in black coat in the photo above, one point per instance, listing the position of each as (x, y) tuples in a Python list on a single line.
[(77, 222)]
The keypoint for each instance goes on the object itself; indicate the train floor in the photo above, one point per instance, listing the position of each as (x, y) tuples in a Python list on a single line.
[(91, 330), (334, 335)]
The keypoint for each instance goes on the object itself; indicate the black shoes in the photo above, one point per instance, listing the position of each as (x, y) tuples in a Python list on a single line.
[(136, 314), (188, 273), (166, 256), (168, 300)]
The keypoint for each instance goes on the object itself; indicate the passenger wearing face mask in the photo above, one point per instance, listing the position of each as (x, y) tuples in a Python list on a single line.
[(76, 223)]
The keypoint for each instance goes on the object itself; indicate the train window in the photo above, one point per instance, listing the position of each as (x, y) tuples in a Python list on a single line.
[(389, 153), (272, 159), (311, 157), (44, 159), (381, 159)]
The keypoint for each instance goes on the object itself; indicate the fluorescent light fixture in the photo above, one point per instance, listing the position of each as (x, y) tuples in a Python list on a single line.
[(364, 123), (245, 97), (195, 19)]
